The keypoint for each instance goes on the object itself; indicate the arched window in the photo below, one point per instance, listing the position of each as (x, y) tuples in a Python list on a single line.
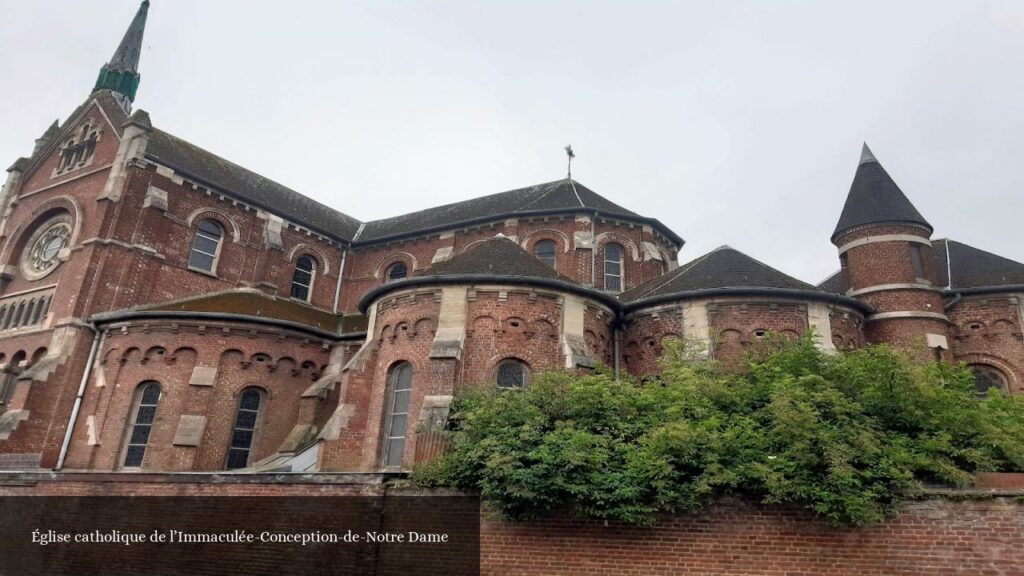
[(400, 382), (146, 399), (244, 433), (302, 280), (205, 246), (986, 377), (396, 271), (613, 268), (9, 378), (545, 250), (512, 374)]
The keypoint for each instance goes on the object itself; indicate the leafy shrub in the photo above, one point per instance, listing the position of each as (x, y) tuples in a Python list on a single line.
[(842, 435)]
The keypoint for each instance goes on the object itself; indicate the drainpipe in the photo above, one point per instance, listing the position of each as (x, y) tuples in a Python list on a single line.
[(96, 343), (341, 272), (616, 334), (958, 297)]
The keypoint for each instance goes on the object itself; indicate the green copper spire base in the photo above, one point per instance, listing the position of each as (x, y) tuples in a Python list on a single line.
[(124, 82)]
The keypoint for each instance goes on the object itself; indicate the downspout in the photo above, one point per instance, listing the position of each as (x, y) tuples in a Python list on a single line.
[(958, 297), (96, 343), (593, 251), (616, 334), (341, 272)]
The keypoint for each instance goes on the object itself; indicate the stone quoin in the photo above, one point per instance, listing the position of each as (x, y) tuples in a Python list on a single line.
[(165, 310)]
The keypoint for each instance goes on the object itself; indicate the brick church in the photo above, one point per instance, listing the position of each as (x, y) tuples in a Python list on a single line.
[(163, 309)]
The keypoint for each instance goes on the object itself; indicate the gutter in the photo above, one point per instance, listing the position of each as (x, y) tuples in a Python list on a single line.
[(487, 279), (985, 290), (751, 291), (111, 317), (654, 222), (86, 374)]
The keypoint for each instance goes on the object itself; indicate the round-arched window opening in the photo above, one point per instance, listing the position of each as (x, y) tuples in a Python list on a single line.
[(397, 271), (512, 374), (42, 251), (986, 377)]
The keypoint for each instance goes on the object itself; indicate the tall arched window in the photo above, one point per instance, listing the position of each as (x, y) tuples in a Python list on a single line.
[(613, 268), (512, 374), (545, 250), (205, 246), (986, 377), (396, 271), (302, 280), (146, 399), (400, 382), (244, 433)]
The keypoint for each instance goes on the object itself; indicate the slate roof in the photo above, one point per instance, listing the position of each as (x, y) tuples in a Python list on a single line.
[(208, 168), (560, 195), (833, 283), (974, 268), (724, 267), (498, 256), (875, 198), (253, 304)]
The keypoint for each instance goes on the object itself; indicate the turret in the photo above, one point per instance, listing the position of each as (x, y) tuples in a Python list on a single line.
[(886, 257)]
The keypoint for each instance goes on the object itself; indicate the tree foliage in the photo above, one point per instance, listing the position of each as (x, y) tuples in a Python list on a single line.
[(843, 435)]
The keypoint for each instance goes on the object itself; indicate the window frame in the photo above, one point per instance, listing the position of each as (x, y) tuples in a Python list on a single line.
[(389, 270), (525, 373), (394, 381), (917, 262), (312, 278), (545, 257), (620, 263), (254, 431), (215, 257), (1002, 382), (133, 423)]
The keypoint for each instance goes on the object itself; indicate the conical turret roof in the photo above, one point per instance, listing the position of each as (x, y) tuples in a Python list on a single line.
[(875, 198)]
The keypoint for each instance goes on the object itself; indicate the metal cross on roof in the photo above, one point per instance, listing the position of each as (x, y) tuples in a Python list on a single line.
[(571, 155)]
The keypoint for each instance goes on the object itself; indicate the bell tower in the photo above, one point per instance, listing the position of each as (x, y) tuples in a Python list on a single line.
[(885, 252)]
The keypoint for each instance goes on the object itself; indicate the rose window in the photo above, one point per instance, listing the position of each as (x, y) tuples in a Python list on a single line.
[(43, 252)]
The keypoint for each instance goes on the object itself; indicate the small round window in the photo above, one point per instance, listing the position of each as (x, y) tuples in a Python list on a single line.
[(42, 252)]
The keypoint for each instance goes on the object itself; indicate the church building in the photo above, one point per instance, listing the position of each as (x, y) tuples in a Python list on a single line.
[(163, 309)]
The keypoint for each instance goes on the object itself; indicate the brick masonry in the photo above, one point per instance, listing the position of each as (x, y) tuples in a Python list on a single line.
[(134, 220), (966, 533)]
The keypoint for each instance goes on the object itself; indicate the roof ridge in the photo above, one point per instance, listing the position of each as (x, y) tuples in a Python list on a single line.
[(669, 277)]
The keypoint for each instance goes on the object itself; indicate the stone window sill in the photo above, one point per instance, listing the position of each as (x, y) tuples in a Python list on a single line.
[(204, 272)]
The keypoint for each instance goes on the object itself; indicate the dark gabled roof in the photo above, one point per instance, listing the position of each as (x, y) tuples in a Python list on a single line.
[(875, 198), (499, 256), (974, 268), (253, 304), (558, 196), (833, 283), (721, 268), (208, 168)]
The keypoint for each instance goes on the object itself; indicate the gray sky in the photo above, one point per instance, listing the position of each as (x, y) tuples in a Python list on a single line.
[(734, 123)]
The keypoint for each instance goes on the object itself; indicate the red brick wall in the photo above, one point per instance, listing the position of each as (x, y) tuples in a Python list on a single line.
[(281, 363), (734, 323), (366, 265), (929, 537), (986, 330)]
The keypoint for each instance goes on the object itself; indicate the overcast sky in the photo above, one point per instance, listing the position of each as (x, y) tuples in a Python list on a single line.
[(734, 123)]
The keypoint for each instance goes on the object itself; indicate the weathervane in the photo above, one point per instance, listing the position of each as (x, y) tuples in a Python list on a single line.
[(571, 155)]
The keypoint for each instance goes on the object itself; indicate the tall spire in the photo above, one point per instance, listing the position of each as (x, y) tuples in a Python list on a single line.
[(121, 74), (875, 198)]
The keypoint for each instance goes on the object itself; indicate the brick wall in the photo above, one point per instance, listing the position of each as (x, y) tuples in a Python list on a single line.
[(986, 330), (933, 536)]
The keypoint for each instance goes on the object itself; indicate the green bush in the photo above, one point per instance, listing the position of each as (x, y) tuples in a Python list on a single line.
[(842, 435)]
